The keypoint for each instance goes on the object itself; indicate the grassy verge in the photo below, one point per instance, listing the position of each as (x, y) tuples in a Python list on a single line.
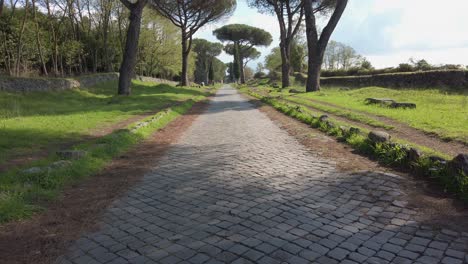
[(441, 113), (395, 153), (33, 121), (23, 193), (339, 112)]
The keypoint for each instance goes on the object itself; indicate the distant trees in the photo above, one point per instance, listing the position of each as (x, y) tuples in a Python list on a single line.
[(159, 47), (290, 15), (61, 37), (244, 38), (206, 53), (339, 56), (190, 16), (317, 43), (298, 63), (246, 53)]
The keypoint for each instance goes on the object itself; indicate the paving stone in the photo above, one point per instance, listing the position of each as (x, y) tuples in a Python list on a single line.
[(450, 260), (366, 251), (454, 253), (360, 258), (338, 253), (236, 188), (408, 254)]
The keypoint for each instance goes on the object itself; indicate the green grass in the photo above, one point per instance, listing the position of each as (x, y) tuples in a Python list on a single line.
[(22, 194), (36, 120), (340, 112), (438, 112)]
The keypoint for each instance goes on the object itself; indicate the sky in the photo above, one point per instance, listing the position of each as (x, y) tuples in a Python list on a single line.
[(386, 32)]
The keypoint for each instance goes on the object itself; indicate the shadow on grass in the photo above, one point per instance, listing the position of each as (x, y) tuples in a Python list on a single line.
[(100, 98), (36, 121)]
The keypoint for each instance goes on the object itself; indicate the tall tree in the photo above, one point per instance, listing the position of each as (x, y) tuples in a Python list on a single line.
[(317, 43), (211, 73), (290, 14), (129, 60), (190, 16), (38, 39), (206, 51), (236, 68), (243, 37), (247, 54), (1, 7)]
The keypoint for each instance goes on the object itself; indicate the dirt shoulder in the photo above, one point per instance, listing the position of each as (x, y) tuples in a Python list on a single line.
[(408, 133), (47, 235), (400, 130), (437, 208)]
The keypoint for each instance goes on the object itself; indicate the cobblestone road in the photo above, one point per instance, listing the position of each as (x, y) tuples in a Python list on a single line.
[(238, 189)]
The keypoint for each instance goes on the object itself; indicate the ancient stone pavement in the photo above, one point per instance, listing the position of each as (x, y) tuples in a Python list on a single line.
[(238, 189)]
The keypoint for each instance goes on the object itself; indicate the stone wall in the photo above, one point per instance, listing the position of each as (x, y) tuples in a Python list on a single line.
[(13, 84), (157, 80), (455, 80)]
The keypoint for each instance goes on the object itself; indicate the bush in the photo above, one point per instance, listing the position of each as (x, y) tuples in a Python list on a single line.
[(260, 75), (274, 76)]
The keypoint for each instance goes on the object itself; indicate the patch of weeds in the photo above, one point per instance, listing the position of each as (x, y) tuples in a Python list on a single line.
[(391, 154)]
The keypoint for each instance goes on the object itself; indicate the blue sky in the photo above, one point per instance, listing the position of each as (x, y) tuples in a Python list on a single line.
[(387, 32)]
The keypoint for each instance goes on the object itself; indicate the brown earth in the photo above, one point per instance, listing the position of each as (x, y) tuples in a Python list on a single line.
[(47, 235), (400, 130)]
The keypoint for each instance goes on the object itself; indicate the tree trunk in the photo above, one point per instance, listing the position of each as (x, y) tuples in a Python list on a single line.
[(1, 7), (38, 40), (127, 68), (242, 73), (317, 45), (20, 40), (54, 55), (185, 57), (313, 75), (285, 64)]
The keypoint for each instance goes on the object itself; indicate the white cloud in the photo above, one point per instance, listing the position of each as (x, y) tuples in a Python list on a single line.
[(388, 32)]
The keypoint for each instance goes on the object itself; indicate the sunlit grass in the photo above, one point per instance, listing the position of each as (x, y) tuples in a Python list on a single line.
[(31, 121), (440, 112), (60, 117)]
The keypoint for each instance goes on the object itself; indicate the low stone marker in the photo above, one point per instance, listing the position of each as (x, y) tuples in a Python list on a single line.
[(460, 164), (294, 91), (323, 118), (385, 101), (403, 105), (414, 154), (379, 137), (71, 154), (388, 102)]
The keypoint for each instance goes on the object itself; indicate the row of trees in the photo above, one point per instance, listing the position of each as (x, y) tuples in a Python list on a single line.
[(187, 15), (59, 37), (242, 42), (75, 25), (291, 14), (72, 37), (338, 57)]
